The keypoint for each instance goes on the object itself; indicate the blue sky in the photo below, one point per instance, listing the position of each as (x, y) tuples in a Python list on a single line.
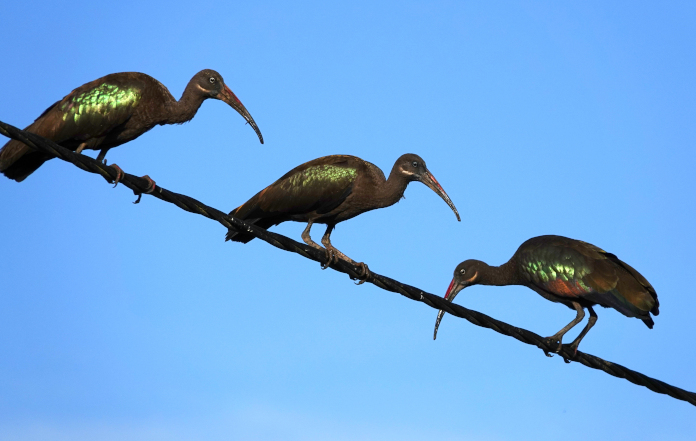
[(121, 321)]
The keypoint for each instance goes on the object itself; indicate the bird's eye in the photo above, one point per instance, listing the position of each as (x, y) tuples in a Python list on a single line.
[(212, 80), (462, 271), (415, 164)]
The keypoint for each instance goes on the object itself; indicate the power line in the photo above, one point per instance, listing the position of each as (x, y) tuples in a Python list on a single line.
[(140, 186)]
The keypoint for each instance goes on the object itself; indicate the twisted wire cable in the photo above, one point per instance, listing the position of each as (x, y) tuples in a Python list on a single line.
[(141, 186)]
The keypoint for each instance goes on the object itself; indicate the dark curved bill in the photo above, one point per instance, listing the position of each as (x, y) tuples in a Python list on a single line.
[(429, 180), (452, 291), (230, 98)]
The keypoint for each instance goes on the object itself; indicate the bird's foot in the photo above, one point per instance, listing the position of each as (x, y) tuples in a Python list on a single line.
[(554, 341), (150, 188), (331, 257), (119, 174), (365, 273), (574, 350)]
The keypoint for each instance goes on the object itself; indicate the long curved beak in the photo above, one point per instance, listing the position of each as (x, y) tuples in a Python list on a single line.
[(429, 180), (452, 292), (230, 98)]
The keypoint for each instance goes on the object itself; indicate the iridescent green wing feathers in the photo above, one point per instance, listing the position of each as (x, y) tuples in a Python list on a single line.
[(563, 270), (574, 269), (319, 185), (90, 111), (87, 113)]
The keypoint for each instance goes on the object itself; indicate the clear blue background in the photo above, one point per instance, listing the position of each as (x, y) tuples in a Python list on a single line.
[(138, 322)]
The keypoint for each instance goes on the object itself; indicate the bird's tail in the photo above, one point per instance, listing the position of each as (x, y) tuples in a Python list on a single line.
[(656, 308), (244, 236), (18, 160), (239, 236), (648, 322)]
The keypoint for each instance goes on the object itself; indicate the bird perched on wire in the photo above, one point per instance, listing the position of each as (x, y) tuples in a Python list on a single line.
[(330, 190), (111, 111), (568, 271)]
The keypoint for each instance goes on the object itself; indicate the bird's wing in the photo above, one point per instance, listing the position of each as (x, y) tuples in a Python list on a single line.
[(634, 287), (562, 269), (90, 111), (628, 292), (575, 269), (316, 186)]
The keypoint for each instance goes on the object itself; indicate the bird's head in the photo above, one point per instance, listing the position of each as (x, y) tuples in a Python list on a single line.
[(466, 274), (211, 85), (412, 168)]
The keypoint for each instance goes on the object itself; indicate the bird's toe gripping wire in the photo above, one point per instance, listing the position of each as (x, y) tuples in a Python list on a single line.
[(552, 341), (331, 257), (557, 338), (335, 255), (150, 188), (365, 273), (573, 349), (119, 174)]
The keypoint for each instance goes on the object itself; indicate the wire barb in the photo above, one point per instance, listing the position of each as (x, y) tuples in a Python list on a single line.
[(140, 185)]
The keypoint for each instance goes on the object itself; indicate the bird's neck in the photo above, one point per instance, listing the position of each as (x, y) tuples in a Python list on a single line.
[(185, 109), (503, 275), (391, 191)]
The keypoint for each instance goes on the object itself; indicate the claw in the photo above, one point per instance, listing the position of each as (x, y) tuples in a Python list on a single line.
[(150, 188), (119, 173), (553, 340), (574, 348), (364, 273), (331, 258)]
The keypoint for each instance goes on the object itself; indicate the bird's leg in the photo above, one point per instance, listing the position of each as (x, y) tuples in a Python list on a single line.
[(308, 240), (102, 155), (558, 337), (80, 148), (119, 173), (331, 252), (336, 254), (590, 323), (150, 188)]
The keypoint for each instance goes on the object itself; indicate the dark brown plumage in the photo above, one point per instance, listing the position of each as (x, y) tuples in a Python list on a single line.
[(113, 110), (329, 190), (574, 273)]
